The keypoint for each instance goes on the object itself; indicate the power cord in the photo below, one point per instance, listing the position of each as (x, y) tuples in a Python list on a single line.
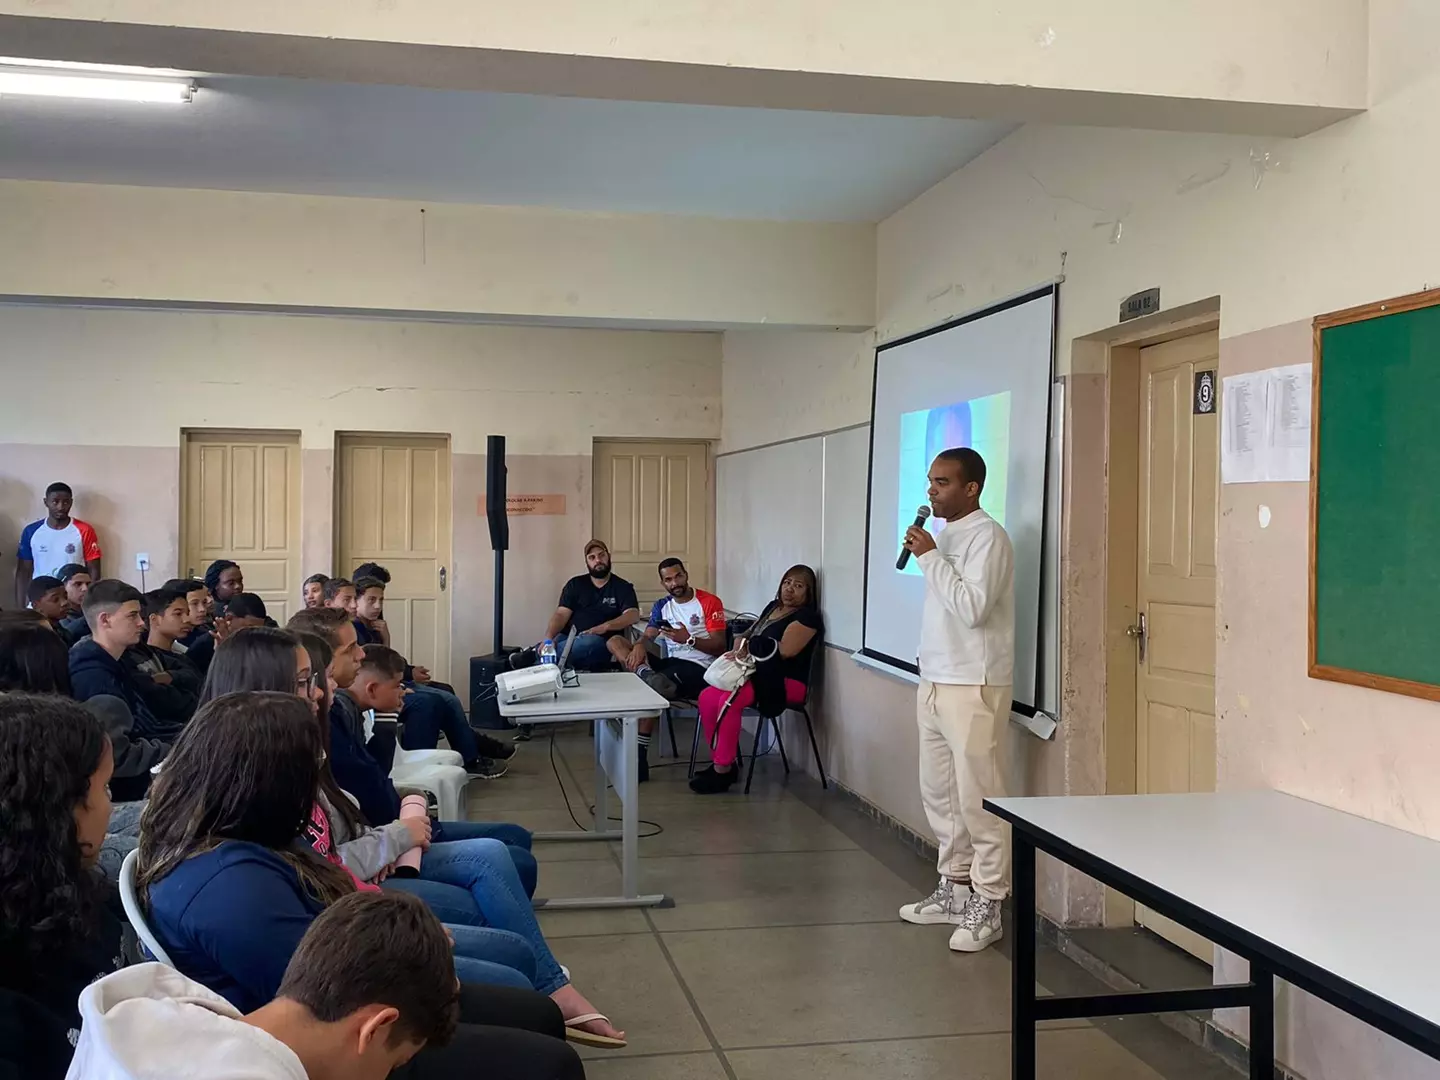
[(555, 767)]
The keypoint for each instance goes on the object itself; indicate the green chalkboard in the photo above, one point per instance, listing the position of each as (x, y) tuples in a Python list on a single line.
[(1375, 497)]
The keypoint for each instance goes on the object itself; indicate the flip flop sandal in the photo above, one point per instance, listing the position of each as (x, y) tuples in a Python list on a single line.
[(575, 1033)]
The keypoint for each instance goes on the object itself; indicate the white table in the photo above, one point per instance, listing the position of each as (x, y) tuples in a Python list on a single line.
[(617, 701), (1337, 905)]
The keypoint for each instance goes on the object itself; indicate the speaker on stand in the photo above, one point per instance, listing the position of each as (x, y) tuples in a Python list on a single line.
[(484, 709)]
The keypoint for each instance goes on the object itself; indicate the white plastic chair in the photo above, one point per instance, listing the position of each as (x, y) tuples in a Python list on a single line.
[(133, 911), (445, 782), (413, 758)]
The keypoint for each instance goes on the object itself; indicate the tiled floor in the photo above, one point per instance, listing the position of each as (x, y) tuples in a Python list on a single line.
[(783, 956)]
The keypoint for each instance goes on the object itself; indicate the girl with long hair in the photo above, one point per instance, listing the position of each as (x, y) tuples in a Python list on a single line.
[(475, 889), (57, 931), (231, 887), (782, 641)]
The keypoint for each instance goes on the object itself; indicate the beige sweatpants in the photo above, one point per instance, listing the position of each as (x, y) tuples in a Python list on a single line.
[(960, 729)]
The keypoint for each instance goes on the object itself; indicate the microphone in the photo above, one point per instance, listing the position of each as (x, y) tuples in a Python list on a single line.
[(920, 515)]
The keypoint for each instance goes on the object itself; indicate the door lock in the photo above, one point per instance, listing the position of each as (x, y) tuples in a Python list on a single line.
[(1139, 633), (443, 579)]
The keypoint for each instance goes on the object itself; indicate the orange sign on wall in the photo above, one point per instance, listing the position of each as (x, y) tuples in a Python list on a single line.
[(527, 505)]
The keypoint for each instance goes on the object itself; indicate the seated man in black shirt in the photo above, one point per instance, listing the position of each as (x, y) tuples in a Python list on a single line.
[(595, 607)]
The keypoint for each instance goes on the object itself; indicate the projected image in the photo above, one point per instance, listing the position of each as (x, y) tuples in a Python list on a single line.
[(981, 423)]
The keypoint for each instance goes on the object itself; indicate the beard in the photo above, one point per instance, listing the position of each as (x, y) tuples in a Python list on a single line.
[(602, 571)]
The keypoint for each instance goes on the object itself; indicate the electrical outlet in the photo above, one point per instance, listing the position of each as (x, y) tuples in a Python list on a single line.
[(142, 561)]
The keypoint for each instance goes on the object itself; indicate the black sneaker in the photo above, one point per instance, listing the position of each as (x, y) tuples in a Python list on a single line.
[(492, 747), (710, 782), (644, 774), (484, 768)]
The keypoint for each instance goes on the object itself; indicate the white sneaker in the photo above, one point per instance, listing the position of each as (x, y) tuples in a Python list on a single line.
[(979, 925), (944, 905)]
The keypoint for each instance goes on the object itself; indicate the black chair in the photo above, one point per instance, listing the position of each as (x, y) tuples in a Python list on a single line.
[(803, 708)]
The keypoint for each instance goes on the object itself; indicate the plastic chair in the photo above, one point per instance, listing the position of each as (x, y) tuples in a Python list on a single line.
[(445, 782), (130, 901)]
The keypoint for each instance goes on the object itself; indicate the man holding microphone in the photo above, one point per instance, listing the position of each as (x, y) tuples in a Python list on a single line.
[(967, 655)]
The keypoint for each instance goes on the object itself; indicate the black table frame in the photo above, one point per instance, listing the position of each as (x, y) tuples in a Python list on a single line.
[(1267, 961)]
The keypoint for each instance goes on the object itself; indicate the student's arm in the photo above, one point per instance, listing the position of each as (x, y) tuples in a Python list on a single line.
[(558, 622), (375, 849), (358, 773), (969, 590), (24, 567), (249, 919)]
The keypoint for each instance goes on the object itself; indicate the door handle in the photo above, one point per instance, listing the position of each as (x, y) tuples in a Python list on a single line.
[(443, 579), (1140, 634)]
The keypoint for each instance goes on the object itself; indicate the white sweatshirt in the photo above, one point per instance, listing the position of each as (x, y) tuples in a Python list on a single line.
[(967, 632), (149, 1022)]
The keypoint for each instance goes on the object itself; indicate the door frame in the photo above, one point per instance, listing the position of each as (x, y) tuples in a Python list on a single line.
[(1116, 352), (186, 433), (710, 448)]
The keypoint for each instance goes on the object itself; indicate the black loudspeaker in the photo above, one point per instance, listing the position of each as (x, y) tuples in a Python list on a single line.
[(484, 707), (495, 492)]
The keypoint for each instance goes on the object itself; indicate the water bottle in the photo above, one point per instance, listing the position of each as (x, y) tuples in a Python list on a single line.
[(547, 652)]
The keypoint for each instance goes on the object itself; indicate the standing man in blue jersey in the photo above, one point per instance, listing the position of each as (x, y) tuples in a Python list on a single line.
[(967, 661)]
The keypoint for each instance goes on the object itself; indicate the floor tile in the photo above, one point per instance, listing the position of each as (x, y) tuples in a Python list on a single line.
[(1076, 1054), (772, 987), (776, 889), (628, 979), (724, 826), (561, 879), (664, 1067)]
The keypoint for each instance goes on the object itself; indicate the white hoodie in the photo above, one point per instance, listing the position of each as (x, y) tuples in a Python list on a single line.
[(149, 1022)]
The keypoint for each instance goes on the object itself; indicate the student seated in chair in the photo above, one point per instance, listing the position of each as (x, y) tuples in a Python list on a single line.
[(595, 607), (430, 707), (225, 580), (197, 602), (242, 610), (371, 984), (339, 593), (168, 682), (112, 609), (313, 591), (688, 625), (47, 598), (77, 582)]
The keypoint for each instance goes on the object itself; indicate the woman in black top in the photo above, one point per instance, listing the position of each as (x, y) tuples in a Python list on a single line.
[(782, 642), (58, 929)]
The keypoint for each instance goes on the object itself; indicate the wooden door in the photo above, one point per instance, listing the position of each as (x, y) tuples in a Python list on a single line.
[(395, 509), (654, 501), (241, 501), (1179, 502)]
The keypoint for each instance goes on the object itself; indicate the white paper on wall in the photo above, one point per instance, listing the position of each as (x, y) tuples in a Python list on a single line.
[(1265, 426)]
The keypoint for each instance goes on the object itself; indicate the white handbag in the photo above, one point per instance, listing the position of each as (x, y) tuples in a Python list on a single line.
[(729, 673)]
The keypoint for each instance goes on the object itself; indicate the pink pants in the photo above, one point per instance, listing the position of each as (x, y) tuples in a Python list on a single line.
[(712, 700)]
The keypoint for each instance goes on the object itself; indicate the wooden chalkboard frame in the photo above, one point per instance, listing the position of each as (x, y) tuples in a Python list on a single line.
[(1380, 309)]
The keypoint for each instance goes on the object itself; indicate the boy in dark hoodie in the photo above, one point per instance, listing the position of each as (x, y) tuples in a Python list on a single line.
[(112, 611), (167, 681)]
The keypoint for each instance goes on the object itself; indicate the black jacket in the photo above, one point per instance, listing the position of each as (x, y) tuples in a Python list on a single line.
[(93, 672), (174, 703), (134, 755)]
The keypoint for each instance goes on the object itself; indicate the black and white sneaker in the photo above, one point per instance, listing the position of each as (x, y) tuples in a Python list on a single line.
[(945, 905), (484, 768), (492, 747), (979, 925)]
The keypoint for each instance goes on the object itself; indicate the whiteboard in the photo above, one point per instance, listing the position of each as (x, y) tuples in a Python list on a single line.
[(842, 535), (769, 502), (796, 502)]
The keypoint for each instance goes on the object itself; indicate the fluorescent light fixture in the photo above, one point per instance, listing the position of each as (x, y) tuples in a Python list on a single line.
[(31, 78)]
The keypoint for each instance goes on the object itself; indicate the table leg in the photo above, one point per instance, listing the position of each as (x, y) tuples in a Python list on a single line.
[(602, 801), (630, 808), (1022, 965), (1262, 1022)]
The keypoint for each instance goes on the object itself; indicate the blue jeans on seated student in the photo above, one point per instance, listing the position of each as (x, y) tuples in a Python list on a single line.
[(589, 654), (484, 869), (427, 712), (494, 957), (515, 837)]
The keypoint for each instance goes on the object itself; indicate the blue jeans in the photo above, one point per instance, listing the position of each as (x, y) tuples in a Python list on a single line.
[(484, 954), (427, 712), (589, 654), (484, 868), (514, 837)]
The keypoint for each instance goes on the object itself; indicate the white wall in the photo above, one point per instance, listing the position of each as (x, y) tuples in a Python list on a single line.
[(1338, 218), (387, 255), (781, 385)]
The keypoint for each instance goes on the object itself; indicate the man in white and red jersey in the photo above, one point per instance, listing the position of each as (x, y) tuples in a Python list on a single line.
[(688, 626), (53, 542)]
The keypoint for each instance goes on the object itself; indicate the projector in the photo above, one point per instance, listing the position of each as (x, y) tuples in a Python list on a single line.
[(531, 682)]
